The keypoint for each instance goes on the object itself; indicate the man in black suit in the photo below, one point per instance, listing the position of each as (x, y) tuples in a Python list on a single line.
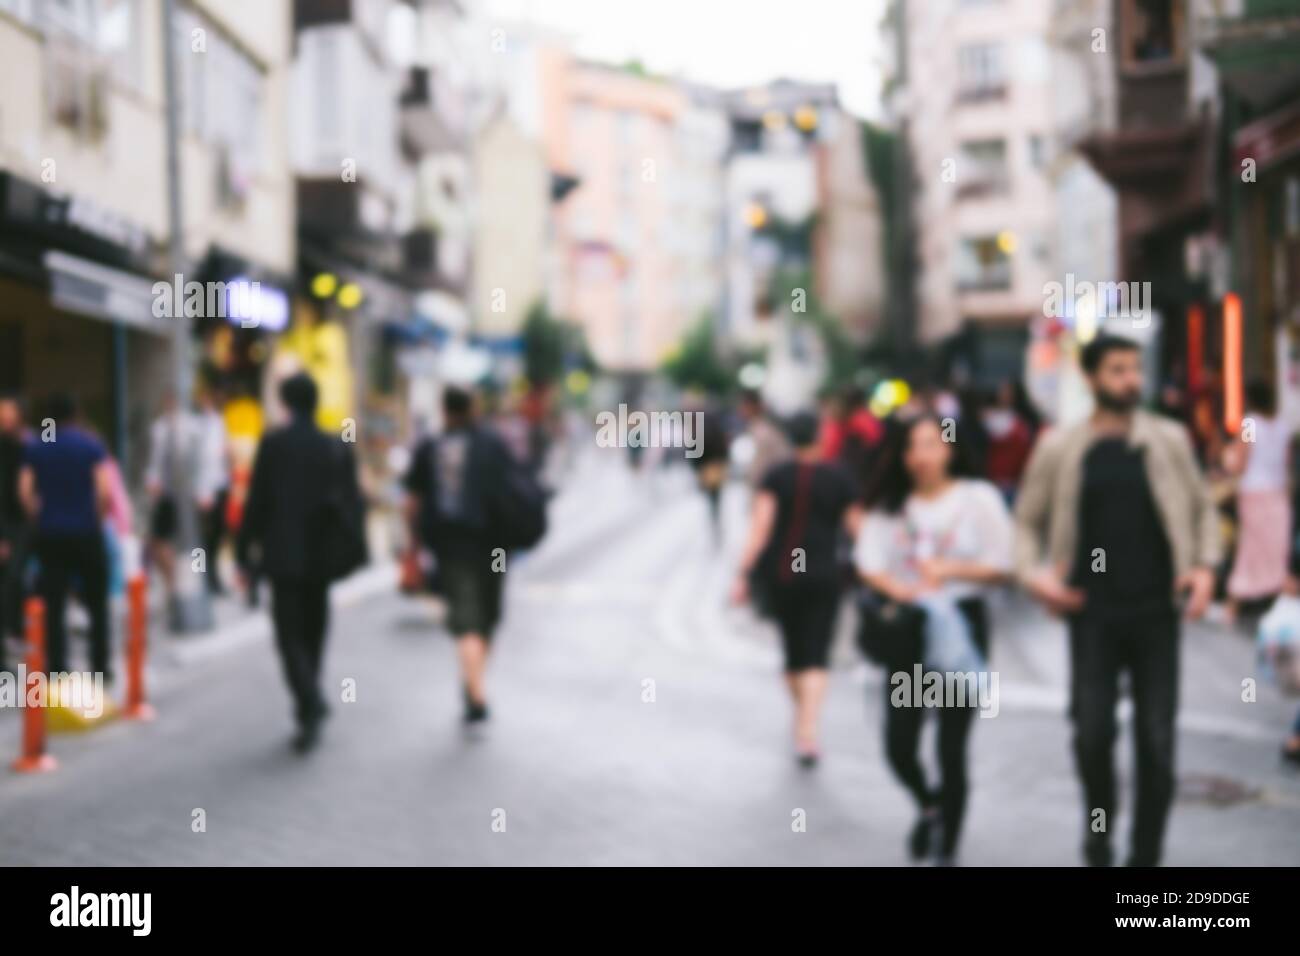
[(304, 489)]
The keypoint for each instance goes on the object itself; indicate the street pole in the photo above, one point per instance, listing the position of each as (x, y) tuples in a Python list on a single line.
[(190, 609)]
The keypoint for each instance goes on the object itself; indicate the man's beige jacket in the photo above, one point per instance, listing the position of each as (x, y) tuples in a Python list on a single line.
[(1047, 511)]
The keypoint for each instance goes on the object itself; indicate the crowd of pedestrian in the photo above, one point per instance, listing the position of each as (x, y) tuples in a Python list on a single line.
[(920, 515), (1115, 530)]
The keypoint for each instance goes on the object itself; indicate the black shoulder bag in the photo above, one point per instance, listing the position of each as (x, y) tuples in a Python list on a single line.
[(890, 633)]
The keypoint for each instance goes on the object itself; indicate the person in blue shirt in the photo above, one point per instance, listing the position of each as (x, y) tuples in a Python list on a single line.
[(64, 485)]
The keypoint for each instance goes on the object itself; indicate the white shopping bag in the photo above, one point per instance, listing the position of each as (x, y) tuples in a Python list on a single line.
[(1278, 638)]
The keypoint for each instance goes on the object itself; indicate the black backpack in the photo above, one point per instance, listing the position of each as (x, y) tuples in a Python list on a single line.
[(509, 508), (517, 510)]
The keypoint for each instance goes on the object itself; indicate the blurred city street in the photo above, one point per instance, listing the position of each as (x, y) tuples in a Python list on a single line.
[(589, 432), (585, 770)]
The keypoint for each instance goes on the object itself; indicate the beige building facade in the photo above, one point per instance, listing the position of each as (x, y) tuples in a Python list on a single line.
[(83, 185)]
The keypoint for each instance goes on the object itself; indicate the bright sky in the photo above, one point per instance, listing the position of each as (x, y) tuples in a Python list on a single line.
[(725, 43)]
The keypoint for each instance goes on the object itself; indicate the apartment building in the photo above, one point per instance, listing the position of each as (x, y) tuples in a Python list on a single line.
[(83, 187), (615, 130), (996, 187)]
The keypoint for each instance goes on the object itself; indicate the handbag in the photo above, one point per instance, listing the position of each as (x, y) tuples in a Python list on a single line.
[(410, 578), (1278, 642), (890, 633), (773, 571), (340, 533)]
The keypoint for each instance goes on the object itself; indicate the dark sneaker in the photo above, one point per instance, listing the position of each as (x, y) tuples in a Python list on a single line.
[(807, 755), (307, 738), (924, 830), (1096, 850)]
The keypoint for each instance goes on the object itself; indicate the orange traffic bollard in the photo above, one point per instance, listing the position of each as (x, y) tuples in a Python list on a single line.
[(34, 759), (137, 629)]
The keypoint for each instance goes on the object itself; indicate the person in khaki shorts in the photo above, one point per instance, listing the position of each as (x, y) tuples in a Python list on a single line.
[(451, 486), (1114, 522)]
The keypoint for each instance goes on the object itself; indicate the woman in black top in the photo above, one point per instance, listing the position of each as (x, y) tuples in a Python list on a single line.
[(798, 513)]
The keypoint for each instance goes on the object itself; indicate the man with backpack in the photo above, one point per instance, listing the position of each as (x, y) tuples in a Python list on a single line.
[(471, 502)]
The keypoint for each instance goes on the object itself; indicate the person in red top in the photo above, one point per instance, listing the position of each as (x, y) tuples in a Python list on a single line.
[(1010, 440), (849, 432)]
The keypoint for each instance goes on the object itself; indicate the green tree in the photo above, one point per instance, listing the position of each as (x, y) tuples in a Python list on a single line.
[(843, 363), (696, 362), (552, 347)]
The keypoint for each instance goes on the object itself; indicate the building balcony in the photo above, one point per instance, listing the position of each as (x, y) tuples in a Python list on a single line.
[(424, 129), (423, 267), (1142, 155), (993, 280), (351, 219), (982, 185), (1153, 97), (1257, 54), (976, 95)]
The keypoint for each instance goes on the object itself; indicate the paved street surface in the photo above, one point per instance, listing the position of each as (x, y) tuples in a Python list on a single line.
[(628, 588)]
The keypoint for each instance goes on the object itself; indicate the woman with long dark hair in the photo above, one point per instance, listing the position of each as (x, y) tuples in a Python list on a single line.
[(934, 541)]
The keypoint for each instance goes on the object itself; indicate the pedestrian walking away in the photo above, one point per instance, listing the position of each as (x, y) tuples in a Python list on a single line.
[(213, 488), (181, 465), (1263, 544), (769, 443), (304, 516), (1113, 521), (66, 487), (456, 486), (934, 542), (790, 566), (711, 465), (15, 534)]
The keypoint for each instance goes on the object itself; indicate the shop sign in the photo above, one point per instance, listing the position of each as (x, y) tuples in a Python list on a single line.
[(267, 308), (88, 288), (1269, 140), (79, 213)]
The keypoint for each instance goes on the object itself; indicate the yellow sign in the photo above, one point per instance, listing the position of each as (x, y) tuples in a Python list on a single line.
[(322, 348)]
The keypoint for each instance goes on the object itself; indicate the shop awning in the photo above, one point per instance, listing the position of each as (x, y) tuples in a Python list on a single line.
[(102, 292)]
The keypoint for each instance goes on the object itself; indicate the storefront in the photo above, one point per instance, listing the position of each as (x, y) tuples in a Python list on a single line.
[(76, 311), (1269, 248)]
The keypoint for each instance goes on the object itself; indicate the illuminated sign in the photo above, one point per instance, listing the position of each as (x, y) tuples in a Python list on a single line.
[(253, 305)]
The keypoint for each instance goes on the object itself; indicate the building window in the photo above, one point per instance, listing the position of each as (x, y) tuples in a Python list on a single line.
[(982, 167), (117, 28), (1037, 152), (628, 230), (583, 118), (18, 9), (583, 225), (980, 71), (221, 99), (746, 136), (72, 18), (983, 264), (627, 127), (1153, 33)]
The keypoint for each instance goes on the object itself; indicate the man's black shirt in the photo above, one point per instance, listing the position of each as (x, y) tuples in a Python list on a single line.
[(1120, 530)]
